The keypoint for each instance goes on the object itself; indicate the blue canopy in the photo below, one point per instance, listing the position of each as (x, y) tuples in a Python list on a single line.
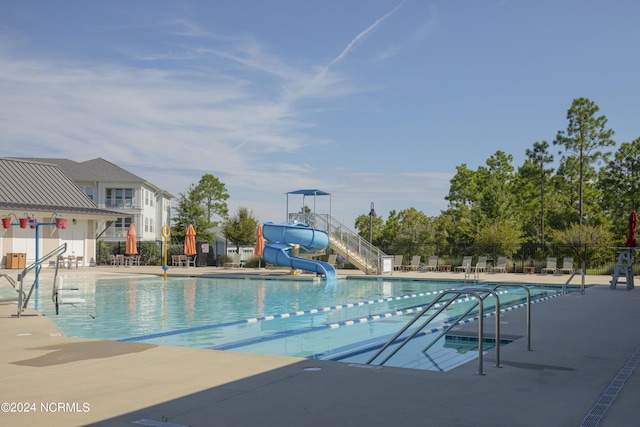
[(313, 193), (310, 192)]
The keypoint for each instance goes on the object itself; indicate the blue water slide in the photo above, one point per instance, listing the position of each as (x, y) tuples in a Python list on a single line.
[(277, 249)]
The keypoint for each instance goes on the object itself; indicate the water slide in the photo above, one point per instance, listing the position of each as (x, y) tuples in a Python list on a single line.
[(279, 238)]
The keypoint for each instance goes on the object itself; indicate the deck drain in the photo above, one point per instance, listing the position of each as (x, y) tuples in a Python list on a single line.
[(312, 369), (154, 423)]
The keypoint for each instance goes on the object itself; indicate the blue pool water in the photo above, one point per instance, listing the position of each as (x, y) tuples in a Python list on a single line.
[(301, 318)]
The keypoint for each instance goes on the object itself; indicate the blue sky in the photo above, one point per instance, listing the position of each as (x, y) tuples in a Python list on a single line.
[(370, 100)]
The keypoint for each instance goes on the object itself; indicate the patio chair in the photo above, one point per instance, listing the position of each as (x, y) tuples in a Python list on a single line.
[(481, 265), (432, 264), (120, 260), (466, 262), (567, 266), (78, 261), (501, 265), (551, 266), (236, 261), (135, 260), (397, 262), (415, 264), (190, 261), (332, 260)]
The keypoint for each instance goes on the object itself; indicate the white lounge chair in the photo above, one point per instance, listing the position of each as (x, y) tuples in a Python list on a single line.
[(466, 262), (397, 262), (415, 263), (567, 266), (432, 265), (236, 261), (481, 265), (332, 259), (501, 265), (551, 266)]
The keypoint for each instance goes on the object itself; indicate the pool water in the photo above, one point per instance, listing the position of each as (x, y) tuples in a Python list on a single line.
[(338, 320)]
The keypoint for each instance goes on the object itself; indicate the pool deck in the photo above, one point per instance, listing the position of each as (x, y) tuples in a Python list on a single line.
[(580, 344)]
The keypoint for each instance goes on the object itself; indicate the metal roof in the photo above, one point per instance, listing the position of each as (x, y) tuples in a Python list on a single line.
[(97, 170), (37, 186)]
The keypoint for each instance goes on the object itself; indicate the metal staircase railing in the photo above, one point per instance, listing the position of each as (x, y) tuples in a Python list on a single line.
[(346, 242)]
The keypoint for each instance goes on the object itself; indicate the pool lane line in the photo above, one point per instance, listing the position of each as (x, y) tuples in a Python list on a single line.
[(277, 316), (371, 318)]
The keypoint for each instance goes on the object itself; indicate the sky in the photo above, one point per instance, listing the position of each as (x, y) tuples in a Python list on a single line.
[(373, 101)]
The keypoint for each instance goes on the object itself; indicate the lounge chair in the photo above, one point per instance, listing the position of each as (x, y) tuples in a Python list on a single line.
[(432, 265), (415, 263), (501, 265), (332, 260), (567, 266), (397, 262), (236, 261), (551, 266), (481, 265), (466, 262)]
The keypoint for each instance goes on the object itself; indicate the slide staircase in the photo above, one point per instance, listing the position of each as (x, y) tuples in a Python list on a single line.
[(347, 243)]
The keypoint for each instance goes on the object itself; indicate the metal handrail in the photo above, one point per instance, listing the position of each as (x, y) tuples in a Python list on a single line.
[(457, 293), (12, 283), (22, 302), (564, 287), (355, 247)]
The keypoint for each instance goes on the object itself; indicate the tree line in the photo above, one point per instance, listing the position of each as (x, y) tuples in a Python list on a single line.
[(585, 199)]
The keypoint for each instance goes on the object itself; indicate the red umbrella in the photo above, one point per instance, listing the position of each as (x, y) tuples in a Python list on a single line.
[(131, 248), (631, 232), (190, 241), (257, 251)]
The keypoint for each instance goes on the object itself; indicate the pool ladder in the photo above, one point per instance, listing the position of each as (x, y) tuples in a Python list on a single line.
[(481, 293)]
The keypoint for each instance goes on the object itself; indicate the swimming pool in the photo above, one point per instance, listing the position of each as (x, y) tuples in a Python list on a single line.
[(337, 320)]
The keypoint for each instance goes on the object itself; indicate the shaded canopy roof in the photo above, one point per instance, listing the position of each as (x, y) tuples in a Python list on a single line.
[(310, 192)]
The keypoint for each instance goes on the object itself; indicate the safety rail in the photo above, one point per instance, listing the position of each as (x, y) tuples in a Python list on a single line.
[(22, 302), (566, 284), (348, 243), (457, 292), (476, 291), (12, 283)]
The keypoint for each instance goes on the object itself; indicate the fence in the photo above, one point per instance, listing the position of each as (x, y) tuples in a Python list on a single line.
[(597, 259)]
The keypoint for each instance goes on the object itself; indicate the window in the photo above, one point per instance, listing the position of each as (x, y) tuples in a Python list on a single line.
[(89, 192), (120, 198)]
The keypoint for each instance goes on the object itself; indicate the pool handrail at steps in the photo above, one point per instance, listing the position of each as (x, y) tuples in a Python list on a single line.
[(57, 252), (476, 291)]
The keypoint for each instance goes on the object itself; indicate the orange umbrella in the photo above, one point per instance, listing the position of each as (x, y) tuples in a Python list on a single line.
[(259, 241), (190, 241), (131, 248)]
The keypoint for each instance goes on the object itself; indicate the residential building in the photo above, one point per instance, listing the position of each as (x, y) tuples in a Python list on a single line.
[(55, 211), (111, 187)]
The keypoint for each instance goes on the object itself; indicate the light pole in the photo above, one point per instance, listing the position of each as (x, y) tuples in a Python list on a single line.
[(371, 215)]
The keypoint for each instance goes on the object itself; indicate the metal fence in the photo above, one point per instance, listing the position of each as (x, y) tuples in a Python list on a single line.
[(595, 259)]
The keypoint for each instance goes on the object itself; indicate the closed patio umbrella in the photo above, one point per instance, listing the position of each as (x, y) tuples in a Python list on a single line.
[(257, 251), (631, 230), (131, 248), (190, 241)]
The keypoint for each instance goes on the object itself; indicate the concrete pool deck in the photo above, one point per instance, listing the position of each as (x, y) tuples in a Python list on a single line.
[(580, 343)]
